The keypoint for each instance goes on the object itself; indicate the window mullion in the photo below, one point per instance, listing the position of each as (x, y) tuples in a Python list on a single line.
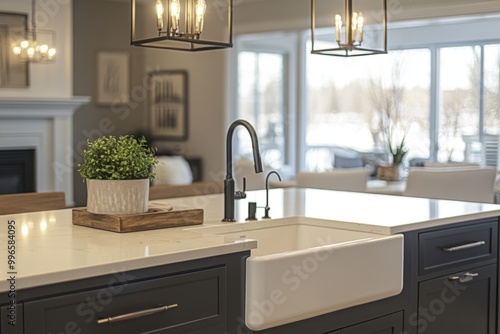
[(481, 107), (435, 102)]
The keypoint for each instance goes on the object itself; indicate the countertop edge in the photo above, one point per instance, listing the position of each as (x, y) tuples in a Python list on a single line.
[(110, 269)]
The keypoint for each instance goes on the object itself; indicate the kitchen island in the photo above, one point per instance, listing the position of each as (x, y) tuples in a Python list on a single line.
[(68, 277)]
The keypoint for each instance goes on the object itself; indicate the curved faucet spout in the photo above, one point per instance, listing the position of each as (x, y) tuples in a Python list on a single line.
[(229, 147), (229, 191), (267, 208)]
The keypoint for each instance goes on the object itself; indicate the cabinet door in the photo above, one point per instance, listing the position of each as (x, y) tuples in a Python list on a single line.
[(197, 303), (461, 303), (389, 324)]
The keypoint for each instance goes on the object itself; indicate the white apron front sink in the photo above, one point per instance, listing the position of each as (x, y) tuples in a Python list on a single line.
[(304, 268)]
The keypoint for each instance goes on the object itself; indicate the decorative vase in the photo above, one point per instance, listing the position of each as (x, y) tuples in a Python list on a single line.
[(389, 173), (117, 196)]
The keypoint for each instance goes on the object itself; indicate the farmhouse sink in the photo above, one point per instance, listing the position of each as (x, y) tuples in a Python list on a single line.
[(304, 268)]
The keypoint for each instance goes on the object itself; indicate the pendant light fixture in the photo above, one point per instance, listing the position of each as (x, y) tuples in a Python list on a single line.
[(35, 45), (187, 25), (355, 27)]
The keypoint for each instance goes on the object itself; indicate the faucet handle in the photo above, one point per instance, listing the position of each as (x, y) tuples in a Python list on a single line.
[(241, 193)]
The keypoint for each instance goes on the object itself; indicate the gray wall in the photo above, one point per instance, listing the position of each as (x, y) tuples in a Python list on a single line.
[(207, 96), (97, 26)]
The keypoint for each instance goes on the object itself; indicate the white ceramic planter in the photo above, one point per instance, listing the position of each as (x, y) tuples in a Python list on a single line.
[(117, 196)]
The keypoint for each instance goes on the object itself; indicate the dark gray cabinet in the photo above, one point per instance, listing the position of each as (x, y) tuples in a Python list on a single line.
[(457, 290), (180, 303), (7, 324), (389, 324), (203, 296), (459, 303), (447, 249)]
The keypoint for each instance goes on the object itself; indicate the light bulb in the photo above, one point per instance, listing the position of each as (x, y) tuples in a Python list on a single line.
[(44, 48), (17, 50), (31, 52), (361, 21), (159, 15), (338, 27), (354, 25), (51, 53), (175, 13), (201, 8), (25, 44)]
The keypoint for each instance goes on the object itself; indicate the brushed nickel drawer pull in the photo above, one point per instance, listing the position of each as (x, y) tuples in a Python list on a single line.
[(133, 315), (464, 278), (466, 246)]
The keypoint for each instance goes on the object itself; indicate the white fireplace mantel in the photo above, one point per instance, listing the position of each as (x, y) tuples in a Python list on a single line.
[(45, 125)]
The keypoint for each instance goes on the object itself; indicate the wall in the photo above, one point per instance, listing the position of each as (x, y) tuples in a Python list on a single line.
[(207, 96), (47, 80), (102, 25)]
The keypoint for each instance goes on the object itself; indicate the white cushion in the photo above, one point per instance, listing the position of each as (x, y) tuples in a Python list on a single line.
[(172, 170)]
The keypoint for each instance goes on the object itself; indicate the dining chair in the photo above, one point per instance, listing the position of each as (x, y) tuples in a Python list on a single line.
[(457, 183), (351, 179), (31, 202)]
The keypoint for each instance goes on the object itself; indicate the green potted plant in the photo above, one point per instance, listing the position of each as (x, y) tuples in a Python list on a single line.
[(398, 153), (393, 171), (118, 172)]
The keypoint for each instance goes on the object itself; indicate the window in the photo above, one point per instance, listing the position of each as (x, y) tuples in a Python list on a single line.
[(491, 99), (458, 120), (261, 92), (354, 103), (439, 92)]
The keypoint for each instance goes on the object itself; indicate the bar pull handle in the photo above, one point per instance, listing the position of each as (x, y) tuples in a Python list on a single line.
[(466, 246), (464, 278), (133, 315)]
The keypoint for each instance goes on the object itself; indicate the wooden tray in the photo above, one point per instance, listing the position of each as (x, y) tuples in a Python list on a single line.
[(156, 217)]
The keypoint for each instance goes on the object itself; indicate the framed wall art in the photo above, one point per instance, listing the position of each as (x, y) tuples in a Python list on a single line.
[(169, 104), (13, 72), (113, 77)]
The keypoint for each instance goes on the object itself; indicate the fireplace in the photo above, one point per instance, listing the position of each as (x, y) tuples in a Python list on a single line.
[(44, 126), (17, 171)]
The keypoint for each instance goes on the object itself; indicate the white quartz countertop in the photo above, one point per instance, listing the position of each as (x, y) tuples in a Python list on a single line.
[(49, 249)]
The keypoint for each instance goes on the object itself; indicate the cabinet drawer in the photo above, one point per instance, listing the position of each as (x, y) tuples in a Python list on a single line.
[(445, 249), (200, 298)]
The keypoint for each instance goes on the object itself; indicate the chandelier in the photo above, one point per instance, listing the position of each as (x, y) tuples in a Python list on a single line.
[(353, 34), (34, 46), (187, 25)]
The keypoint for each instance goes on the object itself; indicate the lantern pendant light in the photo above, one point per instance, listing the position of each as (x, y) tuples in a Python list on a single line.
[(355, 33), (187, 25)]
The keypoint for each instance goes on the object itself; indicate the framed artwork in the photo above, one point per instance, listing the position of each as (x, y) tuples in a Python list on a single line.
[(113, 77), (169, 104), (13, 73)]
